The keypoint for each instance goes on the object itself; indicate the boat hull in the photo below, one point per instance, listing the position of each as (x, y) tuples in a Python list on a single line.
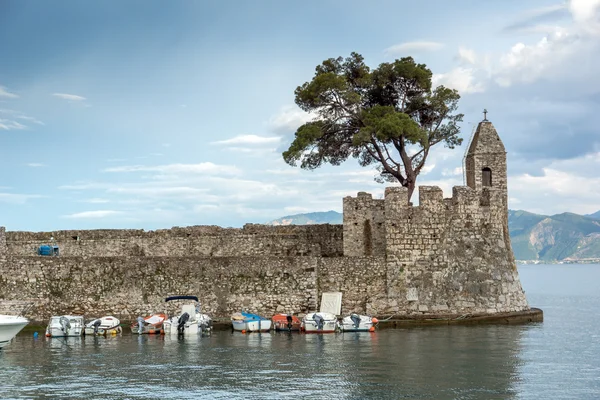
[(201, 324), (150, 325), (189, 328), (109, 326), (58, 332), (365, 324), (112, 331), (310, 324), (75, 326), (150, 330), (246, 322), (281, 323), (264, 325), (10, 325)]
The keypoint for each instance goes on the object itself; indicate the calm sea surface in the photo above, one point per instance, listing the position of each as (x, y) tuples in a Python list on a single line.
[(556, 359)]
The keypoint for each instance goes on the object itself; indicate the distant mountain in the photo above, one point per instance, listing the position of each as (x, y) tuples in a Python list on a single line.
[(561, 237), (595, 215), (327, 217)]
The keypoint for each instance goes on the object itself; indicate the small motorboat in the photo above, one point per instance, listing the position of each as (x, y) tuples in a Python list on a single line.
[(190, 322), (103, 326), (10, 325), (65, 326), (247, 322), (358, 323), (151, 324), (286, 322), (319, 322)]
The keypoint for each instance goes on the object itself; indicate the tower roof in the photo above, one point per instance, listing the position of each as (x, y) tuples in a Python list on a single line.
[(486, 140)]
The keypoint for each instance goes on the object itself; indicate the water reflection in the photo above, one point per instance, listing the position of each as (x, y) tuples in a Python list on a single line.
[(444, 362)]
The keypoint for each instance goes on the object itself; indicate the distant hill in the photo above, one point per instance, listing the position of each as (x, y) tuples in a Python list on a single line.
[(560, 237), (595, 215), (327, 217)]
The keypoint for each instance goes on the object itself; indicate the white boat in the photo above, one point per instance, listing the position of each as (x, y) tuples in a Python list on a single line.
[(104, 326), (358, 323), (65, 325), (190, 321), (247, 322), (10, 325), (319, 322)]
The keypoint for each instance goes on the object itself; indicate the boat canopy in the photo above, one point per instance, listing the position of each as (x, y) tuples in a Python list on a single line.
[(195, 298), (252, 317)]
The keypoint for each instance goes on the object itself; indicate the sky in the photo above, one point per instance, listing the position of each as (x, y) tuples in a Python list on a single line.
[(138, 114)]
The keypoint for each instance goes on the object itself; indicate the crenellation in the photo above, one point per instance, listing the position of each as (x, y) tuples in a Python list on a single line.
[(363, 228), (431, 198)]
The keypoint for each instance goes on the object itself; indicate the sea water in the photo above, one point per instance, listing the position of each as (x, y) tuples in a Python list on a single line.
[(556, 359)]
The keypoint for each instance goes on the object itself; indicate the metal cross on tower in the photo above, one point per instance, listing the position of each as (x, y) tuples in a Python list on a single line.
[(485, 111)]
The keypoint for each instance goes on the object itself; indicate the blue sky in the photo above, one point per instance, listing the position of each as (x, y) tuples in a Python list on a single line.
[(134, 114)]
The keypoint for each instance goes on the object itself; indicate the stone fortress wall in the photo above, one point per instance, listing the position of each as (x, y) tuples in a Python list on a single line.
[(444, 257), (251, 240)]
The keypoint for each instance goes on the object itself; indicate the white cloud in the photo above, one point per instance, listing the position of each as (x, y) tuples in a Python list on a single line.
[(585, 14), (559, 52), (201, 208), (427, 168), (67, 96), (408, 47), (5, 93), (92, 214), (461, 79), (8, 120), (466, 56), (286, 171), (200, 168), (561, 187), (18, 198), (8, 125), (158, 191), (289, 119), (250, 139), (97, 201), (528, 63), (31, 119), (35, 165), (452, 172)]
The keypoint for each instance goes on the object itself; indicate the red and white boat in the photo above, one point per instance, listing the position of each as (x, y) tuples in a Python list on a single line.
[(151, 324), (286, 322)]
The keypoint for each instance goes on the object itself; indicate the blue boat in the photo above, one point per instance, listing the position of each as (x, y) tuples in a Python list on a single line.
[(247, 322)]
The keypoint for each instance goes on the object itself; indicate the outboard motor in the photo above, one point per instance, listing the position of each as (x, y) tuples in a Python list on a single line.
[(65, 324), (96, 325), (204, 324), (140, 321), (289, 321), (320, 321), (183, 318), (356, 319)]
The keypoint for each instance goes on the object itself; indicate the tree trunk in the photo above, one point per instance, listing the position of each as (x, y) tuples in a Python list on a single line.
[(410, 184)]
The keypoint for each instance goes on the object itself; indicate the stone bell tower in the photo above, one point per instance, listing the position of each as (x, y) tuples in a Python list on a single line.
[(485, 161)]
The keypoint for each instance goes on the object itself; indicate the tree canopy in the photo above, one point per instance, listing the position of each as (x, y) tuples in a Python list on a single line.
[(389, 116)]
